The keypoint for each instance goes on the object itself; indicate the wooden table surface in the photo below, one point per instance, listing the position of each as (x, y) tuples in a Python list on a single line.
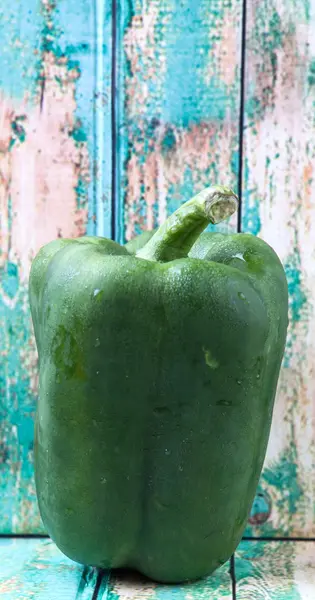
[(34, 569)]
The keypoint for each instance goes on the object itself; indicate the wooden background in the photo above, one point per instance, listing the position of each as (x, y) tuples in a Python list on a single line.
[(111, 115)]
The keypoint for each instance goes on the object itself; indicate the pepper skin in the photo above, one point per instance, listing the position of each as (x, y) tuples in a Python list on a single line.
[(158, 372)]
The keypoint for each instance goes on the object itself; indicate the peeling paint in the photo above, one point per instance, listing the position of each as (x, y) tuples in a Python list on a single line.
[(181, 123), (275, 570), (20, 49), (35, 569), (127, 586), (44, 180), (284, 477), (278, 188), (297, 297)]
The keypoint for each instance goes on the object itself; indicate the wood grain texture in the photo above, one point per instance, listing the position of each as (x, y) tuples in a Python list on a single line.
[(178, 105), (37, 570), (49, 161), (279, 206), (176, 130), (275, 571), (131, 586)]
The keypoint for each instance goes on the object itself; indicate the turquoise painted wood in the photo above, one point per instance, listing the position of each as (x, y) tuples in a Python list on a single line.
[(32, 569), (55, 166), (278, 205), (177, 107), (275, 571), (131, 586)]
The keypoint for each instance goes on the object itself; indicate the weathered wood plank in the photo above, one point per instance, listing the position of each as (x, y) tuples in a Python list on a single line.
[(278, 205), (36, 569), (275, 571), (103, 150), (131, 586), (178, 109), (50, 146)]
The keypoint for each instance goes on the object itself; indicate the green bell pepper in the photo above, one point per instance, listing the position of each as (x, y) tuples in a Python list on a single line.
[(158, 373)]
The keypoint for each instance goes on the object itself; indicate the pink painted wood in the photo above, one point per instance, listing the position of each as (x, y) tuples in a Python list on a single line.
[(179, 117), (48, 144), (279, 206)]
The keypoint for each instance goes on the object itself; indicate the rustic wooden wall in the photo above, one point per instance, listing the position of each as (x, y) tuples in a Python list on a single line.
[(279, 205), (54, 113), (178, 105), (111, 115)]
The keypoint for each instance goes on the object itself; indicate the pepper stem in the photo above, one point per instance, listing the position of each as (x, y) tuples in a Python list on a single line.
[(177, 235)]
